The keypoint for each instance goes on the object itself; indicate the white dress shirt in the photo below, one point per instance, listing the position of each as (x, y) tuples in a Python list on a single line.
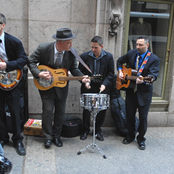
[(3, 54)]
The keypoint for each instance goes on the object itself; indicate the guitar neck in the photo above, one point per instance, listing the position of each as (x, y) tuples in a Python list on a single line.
[(66, 78), (131, 77), (149, 79)]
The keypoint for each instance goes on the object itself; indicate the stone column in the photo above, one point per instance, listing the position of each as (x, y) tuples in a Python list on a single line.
[(109, 20)]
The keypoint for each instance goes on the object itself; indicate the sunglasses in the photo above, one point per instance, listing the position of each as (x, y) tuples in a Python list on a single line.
[(1, 23)]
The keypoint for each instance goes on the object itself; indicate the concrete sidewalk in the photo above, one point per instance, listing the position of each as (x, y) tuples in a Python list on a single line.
[(158, 158)]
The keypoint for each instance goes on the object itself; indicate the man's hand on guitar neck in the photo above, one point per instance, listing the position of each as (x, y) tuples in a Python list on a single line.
[(3, 65), (85, 79), (45, 74), (139, 80)]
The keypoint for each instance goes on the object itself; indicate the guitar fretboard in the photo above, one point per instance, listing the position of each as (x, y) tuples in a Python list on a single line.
[(131, 77), (65, 78), (149, 79)]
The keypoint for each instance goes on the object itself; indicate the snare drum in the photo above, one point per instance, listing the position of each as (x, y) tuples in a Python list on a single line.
[(94, 101)]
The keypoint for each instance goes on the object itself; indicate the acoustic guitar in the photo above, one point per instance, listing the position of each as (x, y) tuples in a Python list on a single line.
[(9, 80), (59, 78), (129, 76)]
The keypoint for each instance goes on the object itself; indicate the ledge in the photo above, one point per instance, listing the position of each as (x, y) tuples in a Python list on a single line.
[(159, 106)]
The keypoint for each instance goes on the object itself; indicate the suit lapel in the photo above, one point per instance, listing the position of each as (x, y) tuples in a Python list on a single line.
[(50, 55), (65, 59), (133, 60)]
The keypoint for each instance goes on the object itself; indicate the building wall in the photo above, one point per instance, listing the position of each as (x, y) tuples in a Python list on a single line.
[(35, 21)]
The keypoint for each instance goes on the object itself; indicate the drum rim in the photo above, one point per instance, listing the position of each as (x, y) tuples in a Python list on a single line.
[(94, 94)]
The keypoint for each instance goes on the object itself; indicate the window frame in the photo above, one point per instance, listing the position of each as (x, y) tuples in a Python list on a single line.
[(158, 103)]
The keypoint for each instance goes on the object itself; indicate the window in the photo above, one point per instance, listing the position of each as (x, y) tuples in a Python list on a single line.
[(152, 19)]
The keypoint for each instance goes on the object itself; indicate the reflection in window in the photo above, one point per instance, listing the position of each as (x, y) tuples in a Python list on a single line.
[(151, 19)]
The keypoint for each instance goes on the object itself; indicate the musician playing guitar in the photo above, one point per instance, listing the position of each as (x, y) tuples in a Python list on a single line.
[(139, 97), (54, 55), (12, 58)]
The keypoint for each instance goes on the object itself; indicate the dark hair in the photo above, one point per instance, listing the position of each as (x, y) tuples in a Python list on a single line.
[(97, 39), (146, 39), (2, 19)]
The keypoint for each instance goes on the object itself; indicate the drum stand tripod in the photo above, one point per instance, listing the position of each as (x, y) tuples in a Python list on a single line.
[(93, 144)]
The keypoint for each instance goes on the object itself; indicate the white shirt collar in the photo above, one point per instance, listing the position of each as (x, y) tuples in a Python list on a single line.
[(2, 37)]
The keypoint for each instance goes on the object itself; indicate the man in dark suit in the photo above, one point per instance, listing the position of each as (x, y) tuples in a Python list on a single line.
[(140, 97), (99, 62), (55, 55), (13, 57)]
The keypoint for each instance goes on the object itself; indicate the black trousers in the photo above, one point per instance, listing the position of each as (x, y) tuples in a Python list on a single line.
[(12, 98), (131, 107), (53, 111)]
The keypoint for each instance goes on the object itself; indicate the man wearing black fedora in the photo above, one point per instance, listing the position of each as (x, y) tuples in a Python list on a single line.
[(55, 55)]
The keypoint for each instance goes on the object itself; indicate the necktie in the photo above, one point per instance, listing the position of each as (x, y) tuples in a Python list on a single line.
[(58, 61), (137, 62)]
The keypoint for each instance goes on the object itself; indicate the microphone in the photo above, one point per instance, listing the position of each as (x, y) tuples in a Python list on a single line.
[(0, 41)]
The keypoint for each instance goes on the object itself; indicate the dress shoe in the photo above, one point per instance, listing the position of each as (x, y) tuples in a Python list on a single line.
[(99, 137), (141, 145), (20, 148), (83, 136), (127, 140), (47, 143), (58, 142), (3, 143)]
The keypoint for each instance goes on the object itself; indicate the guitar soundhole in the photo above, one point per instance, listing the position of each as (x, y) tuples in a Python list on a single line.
[(123, 82), (43, 82), (60, 82), (60, 73)]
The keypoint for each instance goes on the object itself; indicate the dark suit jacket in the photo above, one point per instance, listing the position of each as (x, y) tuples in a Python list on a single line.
[(15, 53), (44, 55), (17, 59), (144, 91), (106, 70)]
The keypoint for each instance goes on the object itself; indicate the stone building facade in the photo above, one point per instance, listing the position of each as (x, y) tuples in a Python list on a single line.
[(35, 21)]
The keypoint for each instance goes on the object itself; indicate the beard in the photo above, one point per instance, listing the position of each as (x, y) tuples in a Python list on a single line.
[(141, 51)]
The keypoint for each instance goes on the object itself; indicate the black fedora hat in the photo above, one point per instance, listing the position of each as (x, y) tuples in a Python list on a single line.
[(64, 34)]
